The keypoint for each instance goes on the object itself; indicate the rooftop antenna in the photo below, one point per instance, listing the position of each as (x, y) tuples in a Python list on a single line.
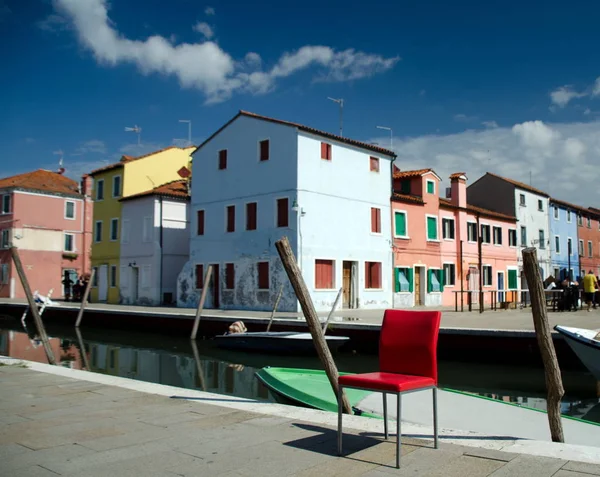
[(341, 103), (137, 130), (189, 121), (60, 153), (386, 128)]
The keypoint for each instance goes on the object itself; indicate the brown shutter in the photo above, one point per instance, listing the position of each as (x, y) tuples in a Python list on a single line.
[(263, 275), (223, 159), (229, 276), (199, 276), (378, 217), (251, 216), (324, 274), (377, 275), (200, 219), (368, 275), (323, 150), (264, 150), (230, 218), (373, 219), (282, 212)]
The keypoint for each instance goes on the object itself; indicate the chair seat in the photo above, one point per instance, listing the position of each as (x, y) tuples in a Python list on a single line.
[(386, 381)]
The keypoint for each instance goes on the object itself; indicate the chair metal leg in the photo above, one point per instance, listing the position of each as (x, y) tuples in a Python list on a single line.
[(385, 419), (398, 432), (339, 399), (435, 420)]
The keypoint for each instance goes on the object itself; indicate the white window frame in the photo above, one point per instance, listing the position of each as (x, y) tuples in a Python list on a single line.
[(494, 228), (570, 241), (110, 276), (542, 243), (427, 182), (450, 219), (569, 216), (557, 244), (96, 240), (112, 221), (6, 199), (405, 268), (516, 244), (4, 273), (98, 182), (72, 235), (588, 222), (481, 226), (556, 212), (581, 248), (540, 205), (522, 203), (427, 278), (67, 202), (405, 213), (477, 231), (5, 238), (491, 275), (446, 284), (118, 176), (437, 228), (590, 249), (521, 236)]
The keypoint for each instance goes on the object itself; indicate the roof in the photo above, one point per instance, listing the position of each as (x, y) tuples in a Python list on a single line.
[(415, 173), (478, 210), (520, 185), (174, 190), (589, 212), (352, 142), (42, 181), (458, 175), (407, 198), (126, 159)]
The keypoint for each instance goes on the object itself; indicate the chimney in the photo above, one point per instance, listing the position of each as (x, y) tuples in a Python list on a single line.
[(458, 189), (85, 187)]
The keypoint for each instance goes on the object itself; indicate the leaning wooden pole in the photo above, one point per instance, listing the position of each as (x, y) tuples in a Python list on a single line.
[(543, 333), (84, 357), (33, 306), (84, 300), (275, 308), (312, 319), (335, 304), (205, 285)]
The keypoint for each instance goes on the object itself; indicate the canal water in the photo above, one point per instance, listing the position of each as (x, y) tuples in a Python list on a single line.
[(174, 361)]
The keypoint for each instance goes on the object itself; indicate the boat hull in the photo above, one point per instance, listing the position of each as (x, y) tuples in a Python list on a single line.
[(282, 342), (584, 345)]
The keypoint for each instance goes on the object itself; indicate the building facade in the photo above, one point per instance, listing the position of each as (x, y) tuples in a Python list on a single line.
[(155, 236), (564, 249), (48, 217), (129, 176), (258, 179), (588, 240)]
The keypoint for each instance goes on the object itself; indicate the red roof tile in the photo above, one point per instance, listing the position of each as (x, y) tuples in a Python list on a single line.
[(301, 127), (127, 159), (458, 175), (478, 210), (407, 198), (520, 185), (176, 189), (414, 173), (42, 181)]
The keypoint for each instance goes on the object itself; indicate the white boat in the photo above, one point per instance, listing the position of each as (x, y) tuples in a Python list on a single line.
[(585, 344), (285, 342)]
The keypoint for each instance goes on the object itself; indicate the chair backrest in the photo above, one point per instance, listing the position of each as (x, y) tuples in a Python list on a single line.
[(408, 342)]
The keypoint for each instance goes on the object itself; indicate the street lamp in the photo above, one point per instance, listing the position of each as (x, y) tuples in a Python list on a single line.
[(391, 136), (341, 103), (189, 121)]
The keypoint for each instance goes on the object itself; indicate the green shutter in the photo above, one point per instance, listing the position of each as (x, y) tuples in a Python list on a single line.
[(432, 232), (400, 224), (410, 280), (430, 187), (441, 280), (429, 284), (397, 279), (512, 279)]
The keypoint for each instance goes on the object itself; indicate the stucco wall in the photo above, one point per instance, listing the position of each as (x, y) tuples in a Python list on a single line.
[(535, 220), (563, 229), (590, 234)]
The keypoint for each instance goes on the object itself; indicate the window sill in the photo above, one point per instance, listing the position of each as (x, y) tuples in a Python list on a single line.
[(327, 290), (435, 293), (263, 289), (402, 237), (377, 234), (404, 292), (450, 286), (70, 218), (497, 245), (434, 240), (449, 240), (373, 289)]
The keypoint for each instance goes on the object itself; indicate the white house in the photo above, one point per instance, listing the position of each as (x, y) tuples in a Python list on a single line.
[(529, 205), (258, 179), (154, 244)]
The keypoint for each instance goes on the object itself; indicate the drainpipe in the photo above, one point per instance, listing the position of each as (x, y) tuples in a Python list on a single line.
[(479, 244), (160, 279)]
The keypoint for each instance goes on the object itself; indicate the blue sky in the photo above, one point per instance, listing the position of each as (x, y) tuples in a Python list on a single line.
[(470, 85)]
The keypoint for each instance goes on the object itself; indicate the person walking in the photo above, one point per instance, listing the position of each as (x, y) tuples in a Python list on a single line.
[(589, 288)]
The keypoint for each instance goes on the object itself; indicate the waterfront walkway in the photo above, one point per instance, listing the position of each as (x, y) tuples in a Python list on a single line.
[(67, 422)]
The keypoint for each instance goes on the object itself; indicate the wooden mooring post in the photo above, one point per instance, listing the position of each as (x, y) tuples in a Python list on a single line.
[(312, 319), (543, 334), (32, 305), (84, 357), (84, 300), (335, 304), (275, 307), (205, 285), (199, 369)]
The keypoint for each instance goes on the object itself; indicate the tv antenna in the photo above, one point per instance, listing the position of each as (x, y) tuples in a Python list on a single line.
[(137, 130), (341, 103)]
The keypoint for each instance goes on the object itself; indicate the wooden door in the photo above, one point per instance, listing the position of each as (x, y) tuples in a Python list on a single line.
[(214, 283), (346, 284), (418, 300)]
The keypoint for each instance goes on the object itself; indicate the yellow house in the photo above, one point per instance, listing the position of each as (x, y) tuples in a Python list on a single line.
[(129, 176)]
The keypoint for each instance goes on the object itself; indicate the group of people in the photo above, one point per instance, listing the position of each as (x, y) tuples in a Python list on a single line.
[(74, 289), (586, 290)]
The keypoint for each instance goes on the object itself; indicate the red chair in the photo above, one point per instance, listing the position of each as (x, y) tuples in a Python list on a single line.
[(407, 363)]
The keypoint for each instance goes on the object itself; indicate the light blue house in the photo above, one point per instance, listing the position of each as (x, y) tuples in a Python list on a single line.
[(563, 239)]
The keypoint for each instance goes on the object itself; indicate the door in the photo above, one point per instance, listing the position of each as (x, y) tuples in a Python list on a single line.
[(214, 285), (67, 288), (501, 287), (418, 294), (346, 284), (135, 284), (103, 283), (474, 284)]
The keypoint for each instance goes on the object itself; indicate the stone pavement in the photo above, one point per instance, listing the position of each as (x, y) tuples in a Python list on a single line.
[(56, 425)]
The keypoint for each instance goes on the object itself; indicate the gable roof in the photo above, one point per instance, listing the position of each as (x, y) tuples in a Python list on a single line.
[(42, 181), (317, 132), (176, 189), (520, 185), (414, 173), (478, 210), (458, 175), (397, 197), (126, 159)]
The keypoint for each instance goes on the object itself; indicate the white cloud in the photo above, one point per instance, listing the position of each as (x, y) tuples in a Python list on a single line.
[(463, 118), (205, 29), (596, 87), (563, 95), (209, 11), (490, 124), (53, 23), (205, 66), (94, 146), (562, 158)]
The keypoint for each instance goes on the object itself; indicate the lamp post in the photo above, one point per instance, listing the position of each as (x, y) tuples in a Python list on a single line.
[(189, 121), (391, 135), (341, 103)]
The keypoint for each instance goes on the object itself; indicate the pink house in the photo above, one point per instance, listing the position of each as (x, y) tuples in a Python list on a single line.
[(427, 234), (48, 217)]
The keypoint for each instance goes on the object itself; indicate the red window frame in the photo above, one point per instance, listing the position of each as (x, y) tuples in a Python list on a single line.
[(263, 275), (283, 215), (373, 275), (324, 274), (264, 150), (230, 218), (251, 215), (326, 151), (375, 220), (223, 159)]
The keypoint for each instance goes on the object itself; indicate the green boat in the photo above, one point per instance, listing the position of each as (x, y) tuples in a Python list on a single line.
[(307, 388)]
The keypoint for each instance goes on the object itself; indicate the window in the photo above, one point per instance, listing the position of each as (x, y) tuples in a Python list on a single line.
[(6, 204), (589, 223), (556, 246), (570, 246), (512, 279), (263, 275), (325, 151), (114, 229), (230, 211), (229, 276), (116, 186), (487, 275), (374, 164), (147, 229), (100, 189), (522, 200), (95, 280), (251, 216), (486, 236), (113, 276), (264, 150), (579, 219), (581, 248), (223, 159), (375, 220), (405, 186), (590, 249), (556, 212), (400, 228), (403, 280), (435, 280), (448, 229), (497, 235), (432, 228), (449, 274), (69, 242), (4, 272), (373, 275), (540, 205), (125, 230), (430, 187), (523, 236), (512, 237), (471, 231), (200, 222), (282, 212), (199, 276), (69, 209), (98, 231), (5, 239), (542, 239), (556, 272), (569, 216), (324, 274)]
